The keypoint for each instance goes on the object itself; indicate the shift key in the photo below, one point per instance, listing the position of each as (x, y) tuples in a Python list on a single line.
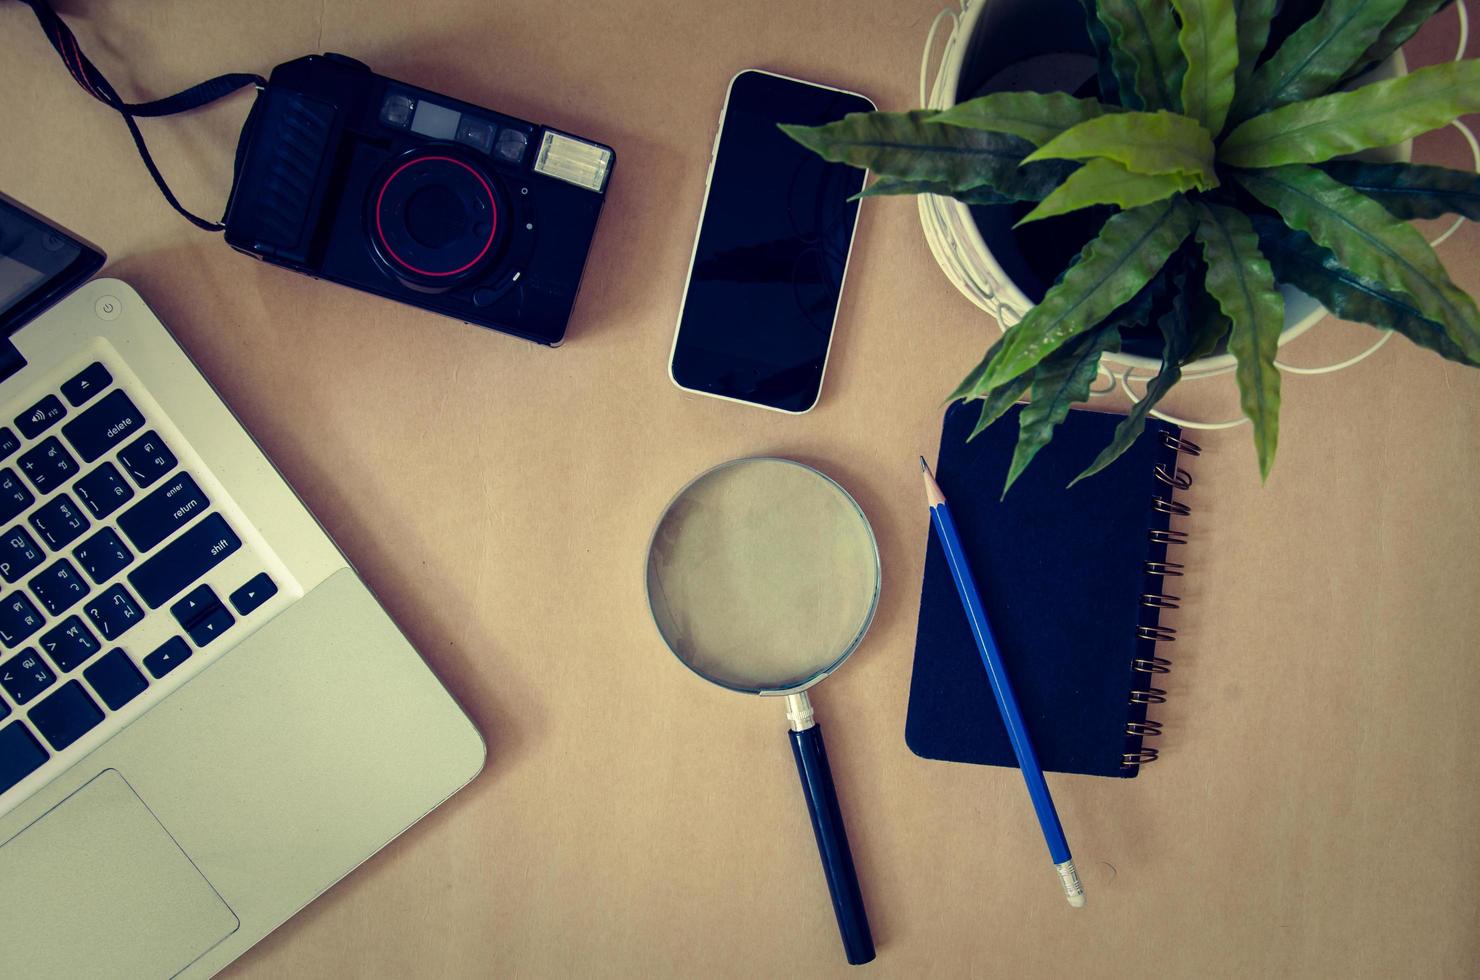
[(174, 504), (184, 560), (97, 430)]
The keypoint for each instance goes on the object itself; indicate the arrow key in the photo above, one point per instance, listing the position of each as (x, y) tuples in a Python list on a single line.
[(258, 590), (195, 605), (210, 625), (170, 655)]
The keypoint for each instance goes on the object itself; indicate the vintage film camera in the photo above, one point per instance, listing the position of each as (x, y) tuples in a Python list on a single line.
[(348, 176)]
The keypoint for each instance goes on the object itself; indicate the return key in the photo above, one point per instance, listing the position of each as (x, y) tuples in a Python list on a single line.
[(175, 503)]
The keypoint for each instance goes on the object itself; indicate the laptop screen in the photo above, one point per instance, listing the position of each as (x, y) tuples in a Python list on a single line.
[(39, 264)]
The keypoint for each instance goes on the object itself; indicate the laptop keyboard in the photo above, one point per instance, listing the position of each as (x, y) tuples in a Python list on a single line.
[(121, 572)]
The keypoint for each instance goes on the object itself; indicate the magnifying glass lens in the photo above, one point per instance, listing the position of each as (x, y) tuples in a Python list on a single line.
[(763, 575)]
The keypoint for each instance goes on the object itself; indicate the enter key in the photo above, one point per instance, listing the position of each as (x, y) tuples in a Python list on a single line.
[(172, 505)]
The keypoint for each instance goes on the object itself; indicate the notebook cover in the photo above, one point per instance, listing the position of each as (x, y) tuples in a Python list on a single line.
[(1061, 574)]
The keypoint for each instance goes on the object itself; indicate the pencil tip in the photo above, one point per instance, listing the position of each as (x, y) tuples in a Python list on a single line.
[(933, 496)]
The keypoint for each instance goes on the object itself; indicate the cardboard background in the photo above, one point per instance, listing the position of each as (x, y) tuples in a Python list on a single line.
[(1313, 812)]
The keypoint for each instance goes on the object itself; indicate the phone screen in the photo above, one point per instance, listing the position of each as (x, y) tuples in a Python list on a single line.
[(39, 264), (773, 242)]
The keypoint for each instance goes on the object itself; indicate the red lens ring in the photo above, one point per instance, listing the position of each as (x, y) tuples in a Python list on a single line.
[(492, 210)]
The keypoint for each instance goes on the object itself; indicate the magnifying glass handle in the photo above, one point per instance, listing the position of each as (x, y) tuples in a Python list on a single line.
[(832, 837)]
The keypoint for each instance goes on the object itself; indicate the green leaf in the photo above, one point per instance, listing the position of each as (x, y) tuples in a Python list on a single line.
[(1176, 334), (1104, 181), (1253, 31), (1001, 398), (971, 385), (1058, 382), (1131, 248), (1413, 16), (1412, 190), (1135, 313), (1379, 114), (1209, 42), (1305, 265), (1100, 39), (1289, 15), (1209, 325), (997, 401), (1371, 243), (890, 186), (1313, 59), (1145, 142), (1239, 278), (1034, 116), (908, 146), (1144, 53)]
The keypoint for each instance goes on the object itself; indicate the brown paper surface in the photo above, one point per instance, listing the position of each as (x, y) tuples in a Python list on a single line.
[(1313, 812)]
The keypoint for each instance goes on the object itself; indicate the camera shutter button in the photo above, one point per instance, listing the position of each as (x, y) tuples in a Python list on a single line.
[(346, 60)]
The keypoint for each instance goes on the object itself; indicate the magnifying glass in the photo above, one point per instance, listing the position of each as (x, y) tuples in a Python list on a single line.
[(762, 577)]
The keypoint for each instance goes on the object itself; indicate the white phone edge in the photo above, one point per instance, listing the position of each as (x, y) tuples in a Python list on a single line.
[(694, 252)]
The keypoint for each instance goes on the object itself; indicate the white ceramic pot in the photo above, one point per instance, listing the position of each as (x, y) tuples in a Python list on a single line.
[(1025, 33)]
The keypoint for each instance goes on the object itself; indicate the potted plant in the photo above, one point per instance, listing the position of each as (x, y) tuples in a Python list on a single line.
[(1211, 163)]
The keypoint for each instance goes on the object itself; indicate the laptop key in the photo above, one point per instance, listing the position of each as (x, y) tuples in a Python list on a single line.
[(20, 754), (259, 589), (67, 714), (98, 429), (48, 465), (8, 441), (85, 384), (171, 654), (147, 458), (19, 554), (103, 555), (14, 496), (103, 491), (4, 711), (70, 643), (59, 521), (59, 586), (19, 618), (115, 679), (195, 604), (175, 503), (185, 559), (211, 624), (40, 416), (26, 675), (114, 612)]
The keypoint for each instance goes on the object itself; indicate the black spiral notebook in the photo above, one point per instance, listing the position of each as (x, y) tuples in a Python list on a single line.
[(1073, 583)]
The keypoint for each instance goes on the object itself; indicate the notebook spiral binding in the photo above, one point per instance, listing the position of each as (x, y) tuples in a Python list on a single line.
[(1175, 478)]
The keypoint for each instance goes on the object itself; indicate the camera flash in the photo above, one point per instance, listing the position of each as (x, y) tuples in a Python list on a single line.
[(574, 161), (397, 109)]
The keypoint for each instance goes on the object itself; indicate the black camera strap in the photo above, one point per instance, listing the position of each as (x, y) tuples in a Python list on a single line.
[(86, 74)]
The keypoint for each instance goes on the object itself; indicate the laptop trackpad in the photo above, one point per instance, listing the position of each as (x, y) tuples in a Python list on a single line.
[(108, 892)]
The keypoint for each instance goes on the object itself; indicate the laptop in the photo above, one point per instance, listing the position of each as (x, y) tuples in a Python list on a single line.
[(206, 719)]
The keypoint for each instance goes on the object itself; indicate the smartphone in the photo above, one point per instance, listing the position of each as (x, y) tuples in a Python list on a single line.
[(767, 271)]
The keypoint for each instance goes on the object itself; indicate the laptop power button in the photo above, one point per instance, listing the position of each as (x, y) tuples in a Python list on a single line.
[(107, 307)]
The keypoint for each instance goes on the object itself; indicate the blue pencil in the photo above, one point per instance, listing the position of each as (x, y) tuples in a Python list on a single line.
[(1017, 732)]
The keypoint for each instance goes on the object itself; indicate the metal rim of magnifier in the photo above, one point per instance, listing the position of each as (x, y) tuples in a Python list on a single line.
[(873, 605)]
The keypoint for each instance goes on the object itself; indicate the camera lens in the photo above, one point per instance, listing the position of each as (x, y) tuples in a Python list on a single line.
[(433, 218)]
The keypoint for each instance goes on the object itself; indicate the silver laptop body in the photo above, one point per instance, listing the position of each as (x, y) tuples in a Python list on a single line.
[(230, 722)]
